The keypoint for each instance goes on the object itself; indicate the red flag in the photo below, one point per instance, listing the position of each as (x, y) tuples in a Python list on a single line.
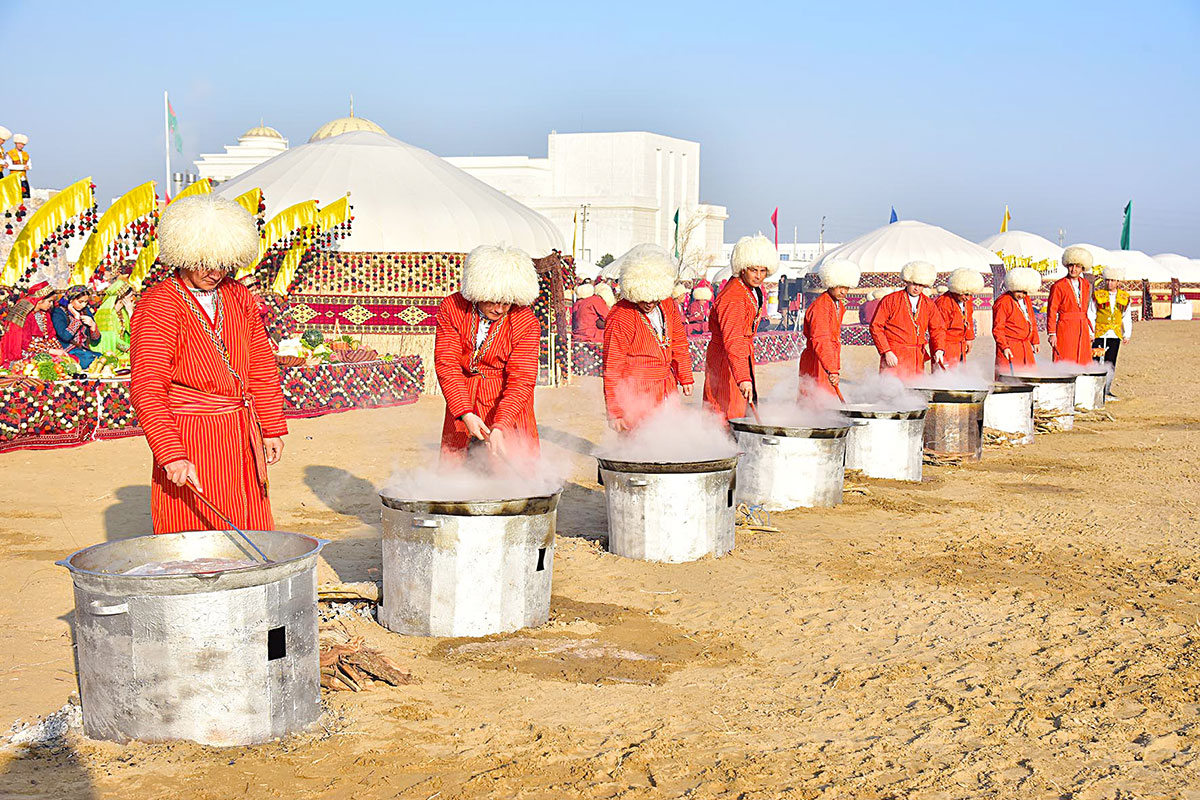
[(775, 222)]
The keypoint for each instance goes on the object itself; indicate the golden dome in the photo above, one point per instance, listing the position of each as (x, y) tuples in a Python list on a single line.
[(262, 132), (345, 125)]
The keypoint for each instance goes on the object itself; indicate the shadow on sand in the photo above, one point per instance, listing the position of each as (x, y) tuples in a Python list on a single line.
[(130, 516), (344, 492)]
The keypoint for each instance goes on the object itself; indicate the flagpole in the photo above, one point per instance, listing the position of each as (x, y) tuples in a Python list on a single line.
[(166, 146)]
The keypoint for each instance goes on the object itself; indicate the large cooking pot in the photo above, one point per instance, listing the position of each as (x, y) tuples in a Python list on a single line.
[(786, 467), (1089, 387), (1008, 410), (1053, 398), (954, 422), (885, 443)]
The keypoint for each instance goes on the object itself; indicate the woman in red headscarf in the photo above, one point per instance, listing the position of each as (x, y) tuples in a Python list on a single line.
[(28, 329)]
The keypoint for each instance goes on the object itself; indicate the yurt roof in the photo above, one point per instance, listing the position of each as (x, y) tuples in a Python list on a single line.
[(405, 199), (888, 248), (1139, 266), (1182, 267), (1022, 244)]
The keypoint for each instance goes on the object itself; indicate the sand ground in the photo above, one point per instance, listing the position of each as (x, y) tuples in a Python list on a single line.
[(1023, 627)]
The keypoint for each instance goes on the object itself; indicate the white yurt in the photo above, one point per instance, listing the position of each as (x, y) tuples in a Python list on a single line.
[(1185, 269), (1024, 249), (887, 249), (1139, 266)]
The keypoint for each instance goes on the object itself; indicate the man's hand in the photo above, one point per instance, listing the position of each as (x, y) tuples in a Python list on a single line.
[(890, 359), (833, 379), (686, 388), (1054, 340), (747, 390), (273, 448), (475, 427), (1008, 355), (496, 444), (181, 471), (619, 425), (966, 347), (1035, 348), (939, 358)]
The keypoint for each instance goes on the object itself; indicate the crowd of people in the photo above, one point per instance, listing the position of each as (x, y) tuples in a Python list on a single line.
[(79, 321), (15, 161)]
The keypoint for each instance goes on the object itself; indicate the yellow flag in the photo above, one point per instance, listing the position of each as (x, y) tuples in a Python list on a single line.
[(1004, 223)]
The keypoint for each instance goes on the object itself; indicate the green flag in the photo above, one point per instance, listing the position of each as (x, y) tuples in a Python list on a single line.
[(677, 233), (1125, 227), (173, 124)]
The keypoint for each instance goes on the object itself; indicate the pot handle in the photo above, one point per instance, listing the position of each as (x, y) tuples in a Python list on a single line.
[(98, 608), (638, 482), (424, 522), (770, 440)]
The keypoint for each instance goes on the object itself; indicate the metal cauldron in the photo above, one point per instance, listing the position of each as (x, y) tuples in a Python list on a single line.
[(1053, 399), (886, 444), (786, 467), (468, 568), (1008, 410), (672, 511), (221, 658), (1089, 387), (954, 422)]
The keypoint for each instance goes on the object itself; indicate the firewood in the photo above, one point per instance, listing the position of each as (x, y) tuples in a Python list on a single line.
[(380, 667)]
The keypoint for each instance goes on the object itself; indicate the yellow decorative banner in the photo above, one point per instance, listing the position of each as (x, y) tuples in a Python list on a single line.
[(10, 193), (334, 214), (291, 263), (249, 201), (70, 202), (133, 205), (202, 186), (145, 263)]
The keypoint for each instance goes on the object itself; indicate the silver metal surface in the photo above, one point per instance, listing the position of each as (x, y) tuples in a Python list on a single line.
[(790, 467), (1089, 389), (1053, 399), (671, 513), (886, 444), (1009, 411), (954, 422), (224, 658), (468, 568)]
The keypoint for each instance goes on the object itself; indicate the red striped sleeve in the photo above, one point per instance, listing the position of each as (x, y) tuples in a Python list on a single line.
[(449, 341), (262, 380), (154, 341), (521, 369)]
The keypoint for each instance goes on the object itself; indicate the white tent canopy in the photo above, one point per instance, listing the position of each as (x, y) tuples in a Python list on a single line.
[(1139, 266), (1182, 267), (890, 247), (1021, 244), (405, 199)]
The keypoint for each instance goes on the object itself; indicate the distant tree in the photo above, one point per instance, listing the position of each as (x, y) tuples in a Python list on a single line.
[(605, 260)]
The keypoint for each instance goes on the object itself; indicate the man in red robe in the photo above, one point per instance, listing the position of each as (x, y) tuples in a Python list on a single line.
[(729, 363), (28, 328), (646, 355), (486, 355), (1014, 326), (587, 314), (1067, 325), (906, 323), (957, 307), (821, 361), (698, 308), (204, 381)]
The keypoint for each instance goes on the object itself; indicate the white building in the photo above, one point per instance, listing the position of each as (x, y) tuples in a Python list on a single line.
[(610, 191), (796, 253), (253, 148)]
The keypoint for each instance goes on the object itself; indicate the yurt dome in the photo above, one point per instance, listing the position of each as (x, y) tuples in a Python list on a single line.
[(336, 127), (890, 247), (1139, 266), (1184, 268), (1022, 244), (405, 199), (261, 132)]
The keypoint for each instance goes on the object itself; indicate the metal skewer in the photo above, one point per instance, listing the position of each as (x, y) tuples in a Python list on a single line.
[(225, 519)]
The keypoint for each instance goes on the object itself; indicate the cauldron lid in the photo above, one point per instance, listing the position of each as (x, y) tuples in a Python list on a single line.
[(791, 431), (511, 507), (668, 467), (867, 411)]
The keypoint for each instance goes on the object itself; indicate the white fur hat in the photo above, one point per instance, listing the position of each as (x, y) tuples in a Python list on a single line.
[(879, 294), (1077, 255), (965, 281), (5, 133), (919, 272), (679, 291), (494, 274), (584, 290), (647, 274), (927, 291), (753, 251), (839, 272), (1023, 279), (702, 293), (20, 138), (1115, 273), (207, 232), (605, 293)]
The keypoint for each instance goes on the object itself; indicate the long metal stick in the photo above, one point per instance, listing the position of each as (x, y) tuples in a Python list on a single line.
[(225, 519)]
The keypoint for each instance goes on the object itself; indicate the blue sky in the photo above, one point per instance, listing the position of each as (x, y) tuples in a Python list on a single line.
[(1062, 110)]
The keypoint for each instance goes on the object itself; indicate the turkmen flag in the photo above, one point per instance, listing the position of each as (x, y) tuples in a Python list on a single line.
[(1125, 227), (173, 126), (677, 233)]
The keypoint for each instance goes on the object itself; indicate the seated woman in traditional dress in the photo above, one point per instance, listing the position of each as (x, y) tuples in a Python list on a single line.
[(28, 329), (113, 316), (74, 325)]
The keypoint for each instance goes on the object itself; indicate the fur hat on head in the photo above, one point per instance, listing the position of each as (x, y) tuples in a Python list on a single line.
[(5, 133), (605, 293), (1114, 273), (839, 272), (647, 274), (920, 272), (494, 274), (1077, 255), (965, 281), (207, 232), (702, 293), (753, 251), (679, 291), (20, 138), (1023, 279), (584, 290), (879, 294)]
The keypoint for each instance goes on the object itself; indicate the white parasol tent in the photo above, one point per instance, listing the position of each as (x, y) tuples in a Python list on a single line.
[(405, 199), (890, 247), (1139, 266), (1182, 267), (1023, 245)]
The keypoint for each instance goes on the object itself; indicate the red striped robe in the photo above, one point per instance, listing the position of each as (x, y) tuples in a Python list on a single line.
[(895, 330), (639, 371), (173, 359), (730, 357), (1067, 320), (960, 326), (1014, 331), (822, 354), (500, 388), (587, 317)]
